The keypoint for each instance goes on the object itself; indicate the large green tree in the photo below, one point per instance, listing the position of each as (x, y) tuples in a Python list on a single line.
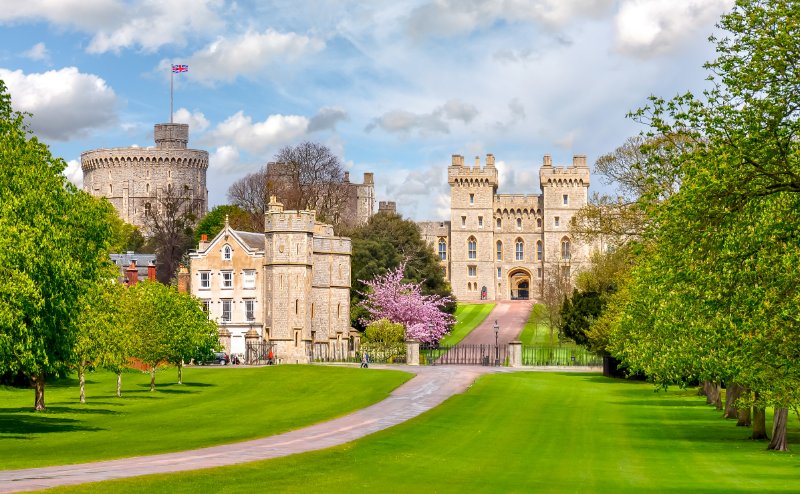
[(214, 221), (717, 297), (381, 245), (53, 246)]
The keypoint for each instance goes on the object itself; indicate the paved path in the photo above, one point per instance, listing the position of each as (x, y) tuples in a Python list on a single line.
[(430, 387), (511, 316)]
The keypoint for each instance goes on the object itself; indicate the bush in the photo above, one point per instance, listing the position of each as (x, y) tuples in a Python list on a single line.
[(384, 331)]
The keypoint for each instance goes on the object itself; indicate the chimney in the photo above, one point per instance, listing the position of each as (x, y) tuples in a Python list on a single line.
[(183, 279), (579, 161), (151, 271), (132, 274), (489, 161), (203, 245), (347, 177), (369, 178), (457, 160), (547, 161), (477, 161)]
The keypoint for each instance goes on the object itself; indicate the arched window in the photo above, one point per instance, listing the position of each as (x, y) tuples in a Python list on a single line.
[(472, 248), (538, 222), (442, 250), (520, 249), (538, 250), (227, 253), (565, 249), (499, 250), (519, 223), (499, 223)]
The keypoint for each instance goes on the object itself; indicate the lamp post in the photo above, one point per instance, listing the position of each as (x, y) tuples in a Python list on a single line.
[(496, 345)]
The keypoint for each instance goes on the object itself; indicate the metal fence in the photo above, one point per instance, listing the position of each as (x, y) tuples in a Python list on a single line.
[(261, 353), (463, 354), (560, 356), (383, 353)]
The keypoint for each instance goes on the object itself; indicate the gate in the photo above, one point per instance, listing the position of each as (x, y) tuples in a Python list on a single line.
[(463, 354), (258, 353)]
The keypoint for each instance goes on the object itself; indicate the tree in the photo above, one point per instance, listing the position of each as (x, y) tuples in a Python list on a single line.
[(170, 228), (124, 236), (53, 245), (389, 297), (214, 221), (716, 298), (382, 244), (170, 326), (556, 288), (309, 176), (251, 194), (383, 331)]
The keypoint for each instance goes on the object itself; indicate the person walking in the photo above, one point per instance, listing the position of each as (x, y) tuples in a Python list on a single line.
[(364, 360)]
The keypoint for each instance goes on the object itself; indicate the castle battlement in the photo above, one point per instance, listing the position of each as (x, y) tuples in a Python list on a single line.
[(575, 175), (289, 221), (457, 173)]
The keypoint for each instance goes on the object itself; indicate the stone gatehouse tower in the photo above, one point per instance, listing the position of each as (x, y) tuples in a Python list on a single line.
[(504, 246), (134, 179)]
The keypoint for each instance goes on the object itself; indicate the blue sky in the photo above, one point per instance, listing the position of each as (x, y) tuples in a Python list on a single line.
[(392, 87)]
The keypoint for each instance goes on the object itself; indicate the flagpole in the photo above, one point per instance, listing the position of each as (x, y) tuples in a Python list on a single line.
[(171, 75)]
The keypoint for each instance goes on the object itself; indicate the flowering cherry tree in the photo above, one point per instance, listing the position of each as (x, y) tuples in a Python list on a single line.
[(388, 297)]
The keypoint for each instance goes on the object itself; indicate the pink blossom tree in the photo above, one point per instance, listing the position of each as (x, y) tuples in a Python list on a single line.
[(389, 297)]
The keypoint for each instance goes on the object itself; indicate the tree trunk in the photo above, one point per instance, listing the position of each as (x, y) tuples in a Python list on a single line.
[(38, 385), (759, 421), (152, 378), (180, 372), (82, 378), (119, 384), (713, 396), (779, 420), (743, 417), (732, 393), (701, 390)]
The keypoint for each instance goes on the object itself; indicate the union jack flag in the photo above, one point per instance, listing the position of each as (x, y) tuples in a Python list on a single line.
[(180, 68)]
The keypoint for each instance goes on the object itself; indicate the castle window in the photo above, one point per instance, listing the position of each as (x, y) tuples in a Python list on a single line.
[(472, 271), (499, 272), (442, 250), (226, 310), (205, 279), (472, 248), (147, 208), (499, 223), (227, 279), (499, 250), (110, 189), (249, 279), (539, 273), (480, 221), (463, 221), (296, 306), (520, 249), (147, 189), (519, 223), (250, 309), (539, 250), (565, 249), (565, 272), (556, 221), (538, 222), (472, 198), (566, 199), (227, 253)]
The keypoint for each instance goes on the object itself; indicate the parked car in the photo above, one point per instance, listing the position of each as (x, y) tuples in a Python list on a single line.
[(220, 358)]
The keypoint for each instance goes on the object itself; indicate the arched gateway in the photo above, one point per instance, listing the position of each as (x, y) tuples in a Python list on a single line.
[(519, 282)]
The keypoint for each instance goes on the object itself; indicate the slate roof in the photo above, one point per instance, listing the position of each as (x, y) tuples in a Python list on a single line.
[(254, 241)]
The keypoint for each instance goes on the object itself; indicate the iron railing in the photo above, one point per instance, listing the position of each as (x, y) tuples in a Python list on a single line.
[(463, 354), (560, 356)]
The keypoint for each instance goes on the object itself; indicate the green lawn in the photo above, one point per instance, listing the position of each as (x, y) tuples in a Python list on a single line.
[(524, 432), (213, 406), (535, 332), (468, 317)]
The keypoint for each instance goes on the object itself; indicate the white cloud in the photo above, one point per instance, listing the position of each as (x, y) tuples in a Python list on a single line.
[(416, 191), (256, 137), (225, 158), (197, 120), (327, 118), (74, 173), (646, 27), (227, 58), (37, 53), (443, 18), (403, 121), (65, 103), (116, 24)]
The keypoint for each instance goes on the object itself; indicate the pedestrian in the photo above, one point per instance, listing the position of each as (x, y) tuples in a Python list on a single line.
[(364, 360), (270, 357)]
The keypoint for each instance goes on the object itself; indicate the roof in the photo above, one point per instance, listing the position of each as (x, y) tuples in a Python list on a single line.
[(254, 241)]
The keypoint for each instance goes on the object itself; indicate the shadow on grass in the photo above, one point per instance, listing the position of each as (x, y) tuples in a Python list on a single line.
[(39, 424)]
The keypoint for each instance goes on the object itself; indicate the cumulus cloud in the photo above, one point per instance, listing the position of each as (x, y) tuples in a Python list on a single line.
[(225, 158), (116, 24), (255, 137), (652, 27), (37, 53), (516, 112), (74, 173), (65, 103), (403, 121), (227, 58), (443, 18), (197, 120), (415, 191), (327, 118)]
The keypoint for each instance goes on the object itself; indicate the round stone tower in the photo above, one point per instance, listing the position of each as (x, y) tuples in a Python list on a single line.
[(135, 179)]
